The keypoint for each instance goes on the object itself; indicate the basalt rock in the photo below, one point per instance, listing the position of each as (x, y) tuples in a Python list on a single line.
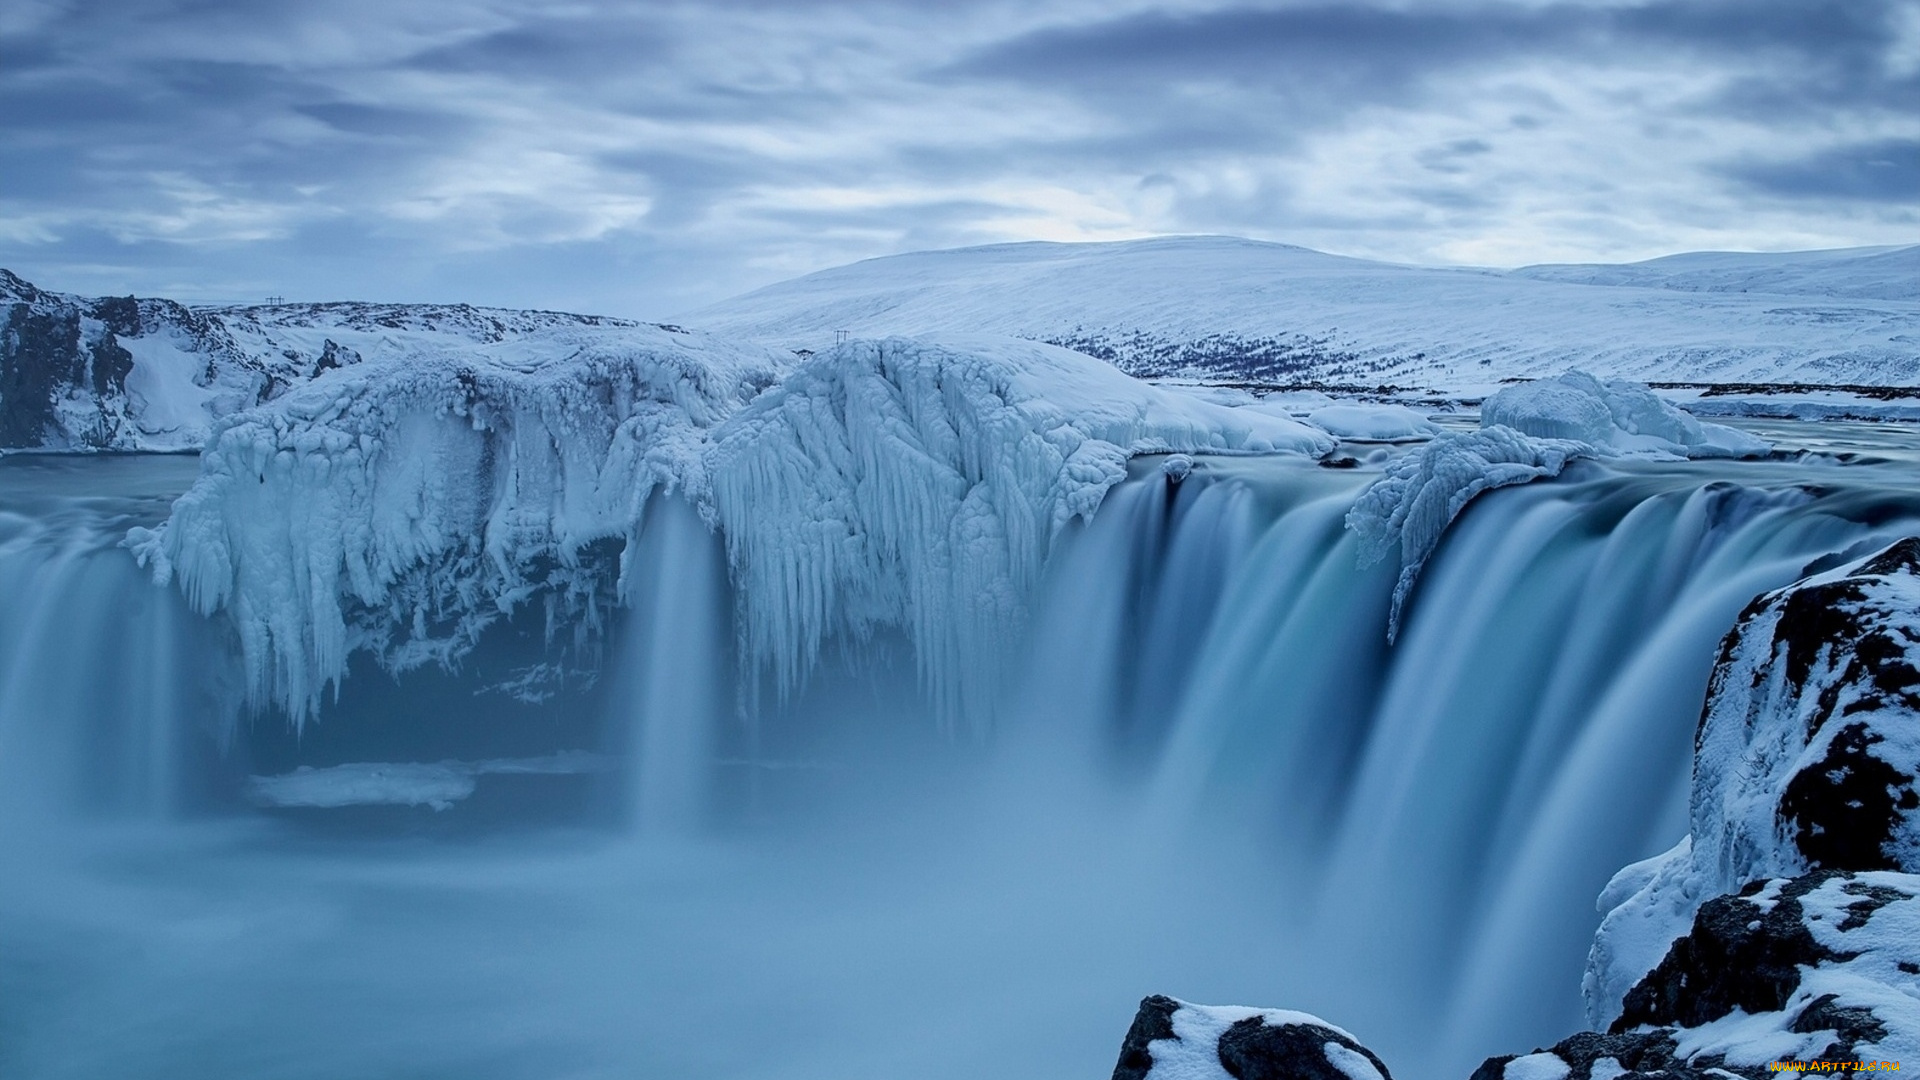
[(1176, 1040), (1805, 760)]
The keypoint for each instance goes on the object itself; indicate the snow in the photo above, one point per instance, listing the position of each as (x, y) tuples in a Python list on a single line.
[(1866, 974), (1871, 273), (1528, 432), (1542, 1066), (1222, 306), (1352, 1064), (402, 506)]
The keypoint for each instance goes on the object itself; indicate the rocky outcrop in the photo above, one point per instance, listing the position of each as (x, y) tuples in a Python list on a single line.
[(1176, 1040), (1805, 760), (1822, 967)]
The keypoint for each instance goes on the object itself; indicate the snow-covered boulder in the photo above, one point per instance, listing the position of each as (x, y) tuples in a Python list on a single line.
[(920, 483), (1176, 1040), (1615, 415), (402, 506), (1822, 967), (1806, 759)]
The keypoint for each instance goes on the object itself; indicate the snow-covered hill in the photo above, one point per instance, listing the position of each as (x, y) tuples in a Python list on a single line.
[(120, 373), (1224, 307), (1876, 273)]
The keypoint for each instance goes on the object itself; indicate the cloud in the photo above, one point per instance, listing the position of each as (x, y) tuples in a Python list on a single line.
[(639, 158), (1886, 171)]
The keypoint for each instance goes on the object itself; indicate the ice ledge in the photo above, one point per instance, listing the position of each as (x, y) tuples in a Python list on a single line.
[(401, 507)]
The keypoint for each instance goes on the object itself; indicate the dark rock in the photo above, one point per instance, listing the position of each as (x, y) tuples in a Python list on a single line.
[(1741, 955), (1269, 1045), (1254, 1049), (1153, 1021), (1847, 648)]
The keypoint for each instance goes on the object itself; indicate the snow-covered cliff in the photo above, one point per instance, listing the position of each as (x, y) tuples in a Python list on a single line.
[(120, 373)]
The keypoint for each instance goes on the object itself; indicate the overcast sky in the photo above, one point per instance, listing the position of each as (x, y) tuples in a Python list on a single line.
[(644, 158)]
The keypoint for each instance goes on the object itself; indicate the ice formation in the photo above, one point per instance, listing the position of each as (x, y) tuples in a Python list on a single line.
[(1372, 423), (402, 507), (1527, 432), (921, 483), (437, 784), (1806, 759), (1419, 495), (1615, 415)]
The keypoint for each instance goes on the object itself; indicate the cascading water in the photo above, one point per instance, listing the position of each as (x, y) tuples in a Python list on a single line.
[(1211, 776)]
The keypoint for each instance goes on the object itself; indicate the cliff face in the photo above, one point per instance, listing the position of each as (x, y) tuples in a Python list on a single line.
[(127, 374), (66, 363)]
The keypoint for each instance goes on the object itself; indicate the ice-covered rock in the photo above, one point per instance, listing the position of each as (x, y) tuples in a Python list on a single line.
[(921, 483), (1822, 967), (1408, 509), (401, 506), (1616, 416), (1372, 423), (1527, 432), (1177, 1040), (1806, 759)]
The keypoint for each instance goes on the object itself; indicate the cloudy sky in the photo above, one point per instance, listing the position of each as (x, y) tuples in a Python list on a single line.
[(645, 158)]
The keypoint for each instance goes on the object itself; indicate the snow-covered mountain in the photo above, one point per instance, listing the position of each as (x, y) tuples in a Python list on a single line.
[(120, 373), (1224, 307)]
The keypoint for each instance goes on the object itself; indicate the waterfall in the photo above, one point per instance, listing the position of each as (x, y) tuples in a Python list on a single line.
[(1212, 774)]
